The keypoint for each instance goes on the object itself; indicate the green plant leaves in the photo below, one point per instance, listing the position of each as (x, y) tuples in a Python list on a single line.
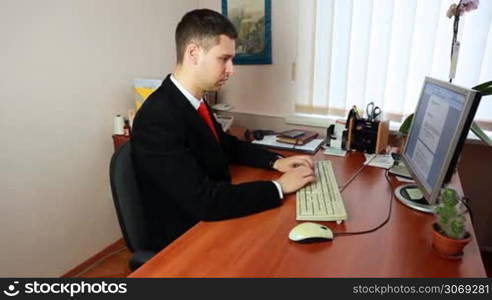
[(457, 227), (449, 197), (405, 126), (449, 217), (484, 88)]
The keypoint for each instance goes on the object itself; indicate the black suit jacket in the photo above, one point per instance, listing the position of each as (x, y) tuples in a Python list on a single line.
[(183, 172)]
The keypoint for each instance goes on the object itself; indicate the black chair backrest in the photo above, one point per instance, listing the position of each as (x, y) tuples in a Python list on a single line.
[(127, 200)]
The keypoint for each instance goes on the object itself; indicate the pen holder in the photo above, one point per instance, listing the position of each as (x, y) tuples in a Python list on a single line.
[(370, 136)]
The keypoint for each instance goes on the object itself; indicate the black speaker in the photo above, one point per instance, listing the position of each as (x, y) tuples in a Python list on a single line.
[(257, 134)]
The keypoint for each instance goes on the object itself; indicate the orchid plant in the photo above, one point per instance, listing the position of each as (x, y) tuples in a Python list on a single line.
[(456, 11)]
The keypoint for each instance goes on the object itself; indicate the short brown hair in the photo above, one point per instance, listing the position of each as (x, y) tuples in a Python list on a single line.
[(201, 25)]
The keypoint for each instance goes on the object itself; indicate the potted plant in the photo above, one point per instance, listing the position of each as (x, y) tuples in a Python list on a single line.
[(449, 233)]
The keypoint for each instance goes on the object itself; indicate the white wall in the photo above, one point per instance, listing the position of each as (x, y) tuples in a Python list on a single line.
[(266, 89), (66, 68)]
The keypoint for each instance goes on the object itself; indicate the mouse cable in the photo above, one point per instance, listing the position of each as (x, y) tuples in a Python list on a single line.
[(364, 165), (466, 202), (380, 225)]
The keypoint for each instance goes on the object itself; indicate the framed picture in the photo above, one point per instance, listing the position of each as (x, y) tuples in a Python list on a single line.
[(252, 19)]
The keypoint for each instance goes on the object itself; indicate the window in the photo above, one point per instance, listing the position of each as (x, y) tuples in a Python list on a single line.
[(352, 52)]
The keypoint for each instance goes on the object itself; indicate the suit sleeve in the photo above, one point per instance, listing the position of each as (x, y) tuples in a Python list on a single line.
[(162, 156), (245, 153)]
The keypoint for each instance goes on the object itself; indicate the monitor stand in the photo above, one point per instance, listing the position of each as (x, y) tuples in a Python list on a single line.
[(419, 204)]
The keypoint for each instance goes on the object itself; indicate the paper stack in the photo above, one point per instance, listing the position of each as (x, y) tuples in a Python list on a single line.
[(384, 161)]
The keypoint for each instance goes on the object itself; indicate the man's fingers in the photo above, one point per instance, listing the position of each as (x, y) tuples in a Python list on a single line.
[(310, 161), (306, 160), (300, 162), (305, 171), (296, 178), (308, 179)]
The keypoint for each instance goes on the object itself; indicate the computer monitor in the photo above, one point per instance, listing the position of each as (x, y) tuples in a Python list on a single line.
[(440, 126)]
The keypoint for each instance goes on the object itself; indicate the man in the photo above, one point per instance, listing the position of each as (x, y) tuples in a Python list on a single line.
[(180, 152)]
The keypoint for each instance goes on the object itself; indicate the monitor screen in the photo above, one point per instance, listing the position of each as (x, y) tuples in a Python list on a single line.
[(441, 122)]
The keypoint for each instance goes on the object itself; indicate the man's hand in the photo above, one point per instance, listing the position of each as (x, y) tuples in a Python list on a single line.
[(289, 163), (295, 179)]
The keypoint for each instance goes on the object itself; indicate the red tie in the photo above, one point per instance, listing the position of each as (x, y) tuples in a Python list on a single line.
[(203, 111)]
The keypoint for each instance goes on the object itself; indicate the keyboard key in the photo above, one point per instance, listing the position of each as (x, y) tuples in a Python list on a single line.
[(321, 200)]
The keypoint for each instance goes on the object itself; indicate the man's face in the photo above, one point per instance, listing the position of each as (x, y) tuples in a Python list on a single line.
[(215, 65)]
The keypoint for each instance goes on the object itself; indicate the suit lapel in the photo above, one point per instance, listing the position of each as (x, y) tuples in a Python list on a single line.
[(196, 122)]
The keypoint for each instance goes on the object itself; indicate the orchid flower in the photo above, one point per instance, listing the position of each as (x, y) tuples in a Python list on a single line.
[(462, 7)]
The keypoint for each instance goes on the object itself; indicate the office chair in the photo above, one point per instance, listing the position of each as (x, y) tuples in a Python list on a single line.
[(129, 208)]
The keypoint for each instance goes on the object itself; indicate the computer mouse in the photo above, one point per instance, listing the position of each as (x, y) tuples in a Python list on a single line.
[(309, 232)]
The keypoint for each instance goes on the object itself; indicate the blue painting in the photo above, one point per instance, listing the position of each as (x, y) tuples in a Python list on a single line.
[(252, 19)]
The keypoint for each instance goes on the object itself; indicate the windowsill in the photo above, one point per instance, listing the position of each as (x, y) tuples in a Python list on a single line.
[(325, 121), (311, 120)]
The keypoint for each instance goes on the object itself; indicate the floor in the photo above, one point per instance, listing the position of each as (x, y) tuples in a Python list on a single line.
[(116, 265), (113, 266)]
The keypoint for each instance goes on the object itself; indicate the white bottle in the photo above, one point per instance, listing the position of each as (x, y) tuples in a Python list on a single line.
[(119, 125)]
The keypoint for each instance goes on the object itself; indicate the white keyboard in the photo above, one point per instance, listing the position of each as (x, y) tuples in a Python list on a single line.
[(321, 200)]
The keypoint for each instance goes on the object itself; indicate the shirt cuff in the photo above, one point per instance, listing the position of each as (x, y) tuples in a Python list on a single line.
[(279, 188), (274, 159)]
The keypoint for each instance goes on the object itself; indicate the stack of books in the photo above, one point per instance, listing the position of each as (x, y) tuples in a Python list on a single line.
[(296, 137), (293, 140)]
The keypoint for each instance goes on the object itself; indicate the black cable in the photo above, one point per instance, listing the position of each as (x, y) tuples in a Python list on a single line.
[(364, 165), (466, 201), (380, 225)]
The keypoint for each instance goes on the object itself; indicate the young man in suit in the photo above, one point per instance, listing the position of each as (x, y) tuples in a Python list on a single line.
[(180, 152)]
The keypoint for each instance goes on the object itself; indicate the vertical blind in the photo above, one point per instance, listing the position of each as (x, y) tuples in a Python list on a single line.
[(352, 52)]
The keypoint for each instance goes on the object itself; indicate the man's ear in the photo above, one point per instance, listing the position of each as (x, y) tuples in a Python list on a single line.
[(192, 51)]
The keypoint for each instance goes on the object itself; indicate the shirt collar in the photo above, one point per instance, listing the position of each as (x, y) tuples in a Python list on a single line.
[(192, 99)]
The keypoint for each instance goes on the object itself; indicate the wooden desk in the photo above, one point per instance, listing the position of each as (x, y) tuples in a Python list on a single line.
[(258, 245)]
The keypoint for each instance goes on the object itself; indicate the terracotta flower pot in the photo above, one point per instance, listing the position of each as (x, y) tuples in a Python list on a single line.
[(448, 247)]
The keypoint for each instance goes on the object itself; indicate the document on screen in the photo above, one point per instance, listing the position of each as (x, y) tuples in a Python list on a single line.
[(428, 138)]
